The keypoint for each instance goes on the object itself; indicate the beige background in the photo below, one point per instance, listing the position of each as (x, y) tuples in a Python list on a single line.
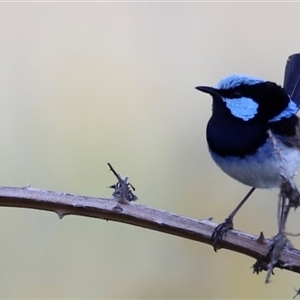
[(83, 84)]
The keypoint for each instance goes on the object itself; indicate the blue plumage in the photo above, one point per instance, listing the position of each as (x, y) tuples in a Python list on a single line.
[(245, 108), (235, 80), (248, 115)]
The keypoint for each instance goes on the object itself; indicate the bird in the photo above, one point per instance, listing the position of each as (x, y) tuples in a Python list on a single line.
[(248, 113)]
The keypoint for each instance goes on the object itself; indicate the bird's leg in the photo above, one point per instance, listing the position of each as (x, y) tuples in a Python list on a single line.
[(228, 223), (289, 197)]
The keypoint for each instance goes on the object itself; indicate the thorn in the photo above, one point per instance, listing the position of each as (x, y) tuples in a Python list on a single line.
[(113, 186), (267, 280), (27, 186), (261, 239), (287, 264), (61, 213), (297, 292)]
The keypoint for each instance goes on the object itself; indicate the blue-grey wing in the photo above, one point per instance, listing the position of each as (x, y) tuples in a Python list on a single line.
[(291, 82)]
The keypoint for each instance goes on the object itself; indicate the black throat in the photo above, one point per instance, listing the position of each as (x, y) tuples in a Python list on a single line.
[(230, 136)]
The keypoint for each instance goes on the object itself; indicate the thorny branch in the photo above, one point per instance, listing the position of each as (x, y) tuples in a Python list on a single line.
[(122, 208), (116, 209)]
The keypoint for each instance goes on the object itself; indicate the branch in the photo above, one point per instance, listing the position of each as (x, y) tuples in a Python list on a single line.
[(139, 215)]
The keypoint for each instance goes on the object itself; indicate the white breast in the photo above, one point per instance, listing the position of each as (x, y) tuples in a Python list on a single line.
[(262, 169)]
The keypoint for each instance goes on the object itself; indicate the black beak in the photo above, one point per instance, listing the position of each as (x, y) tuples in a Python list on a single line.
[(209, 90)]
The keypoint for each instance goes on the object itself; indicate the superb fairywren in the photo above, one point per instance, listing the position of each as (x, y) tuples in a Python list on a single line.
[(244, 110)]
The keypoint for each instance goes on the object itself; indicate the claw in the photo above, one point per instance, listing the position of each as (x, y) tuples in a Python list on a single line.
[(219, 231)]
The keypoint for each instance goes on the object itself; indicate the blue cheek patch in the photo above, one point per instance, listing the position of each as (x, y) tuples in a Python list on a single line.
[(292, 109), (243, 108)]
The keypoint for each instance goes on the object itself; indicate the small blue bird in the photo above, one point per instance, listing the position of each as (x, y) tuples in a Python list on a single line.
[(245, 110)]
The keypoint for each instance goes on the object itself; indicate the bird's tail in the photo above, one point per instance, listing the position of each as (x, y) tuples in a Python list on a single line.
[(291, 82)]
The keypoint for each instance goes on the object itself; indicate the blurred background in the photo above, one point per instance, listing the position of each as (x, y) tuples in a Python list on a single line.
[(83, 84)]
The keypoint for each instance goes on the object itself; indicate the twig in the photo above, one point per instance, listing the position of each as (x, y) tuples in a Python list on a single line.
[(139, 215)]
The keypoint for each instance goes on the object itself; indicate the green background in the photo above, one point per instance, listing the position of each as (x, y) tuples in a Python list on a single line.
[(83, 84)]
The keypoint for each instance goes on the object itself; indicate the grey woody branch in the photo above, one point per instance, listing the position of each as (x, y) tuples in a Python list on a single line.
[(116, 209)]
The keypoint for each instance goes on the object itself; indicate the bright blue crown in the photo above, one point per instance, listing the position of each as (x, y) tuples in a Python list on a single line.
[(246, 108), (235, 80)]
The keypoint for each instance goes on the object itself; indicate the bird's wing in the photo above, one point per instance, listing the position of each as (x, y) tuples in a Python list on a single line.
[(291, 141), (291, 82)]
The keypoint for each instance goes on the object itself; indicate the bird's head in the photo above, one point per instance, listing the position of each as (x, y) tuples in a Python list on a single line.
[(247, 97)]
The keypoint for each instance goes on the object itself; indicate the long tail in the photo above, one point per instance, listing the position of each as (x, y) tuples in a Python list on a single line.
[(291, 82)]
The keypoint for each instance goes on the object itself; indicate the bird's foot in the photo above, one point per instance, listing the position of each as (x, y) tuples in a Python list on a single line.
[(219, 231), (271, 260)]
